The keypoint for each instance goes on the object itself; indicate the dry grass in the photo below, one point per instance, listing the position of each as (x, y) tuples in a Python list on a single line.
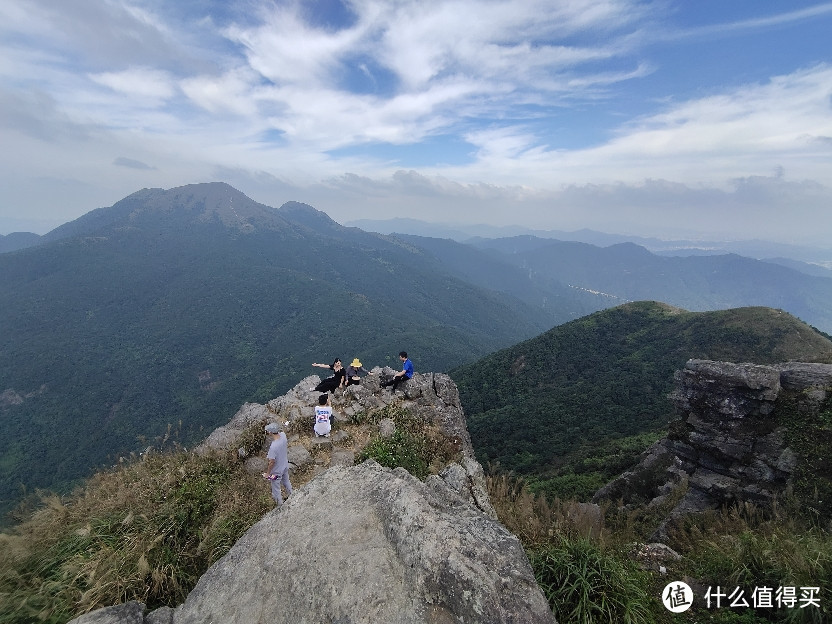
[(144, 531), (148, 529), (535, 519)]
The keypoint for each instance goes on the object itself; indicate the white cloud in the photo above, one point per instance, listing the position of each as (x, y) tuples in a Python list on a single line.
[(757, 23), (230, 92), (325, 114), (153, 87), (747, 128), (285, 50), (443, 63)]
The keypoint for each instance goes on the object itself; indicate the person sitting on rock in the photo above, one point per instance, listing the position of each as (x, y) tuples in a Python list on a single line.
[(323, 417), (354, 372), (403, 375), (337, 380)]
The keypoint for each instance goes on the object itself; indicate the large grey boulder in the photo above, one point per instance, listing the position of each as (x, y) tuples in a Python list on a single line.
[(367, 544)]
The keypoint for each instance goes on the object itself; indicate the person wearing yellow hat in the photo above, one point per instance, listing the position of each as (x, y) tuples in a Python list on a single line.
[(354, 372)]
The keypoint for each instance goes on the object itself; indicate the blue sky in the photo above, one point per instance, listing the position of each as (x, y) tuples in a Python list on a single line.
[(706, 118)]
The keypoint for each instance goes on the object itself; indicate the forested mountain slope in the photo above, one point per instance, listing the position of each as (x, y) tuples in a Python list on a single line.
[(576, 405), (172, 308)]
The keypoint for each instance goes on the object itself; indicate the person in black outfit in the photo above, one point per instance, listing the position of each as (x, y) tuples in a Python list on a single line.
[(337, 380)]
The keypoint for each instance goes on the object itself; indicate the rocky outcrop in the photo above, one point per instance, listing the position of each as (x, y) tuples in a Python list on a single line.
[(432, 398), (362, 543), (728, 445), (368, 544)]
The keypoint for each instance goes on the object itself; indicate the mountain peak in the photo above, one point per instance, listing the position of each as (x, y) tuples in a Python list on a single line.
[(214, 201), (304, 214), (186, 205)]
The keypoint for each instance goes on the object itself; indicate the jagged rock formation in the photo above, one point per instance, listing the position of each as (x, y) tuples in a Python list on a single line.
[(362, 543), (729, 445), (431, 397)]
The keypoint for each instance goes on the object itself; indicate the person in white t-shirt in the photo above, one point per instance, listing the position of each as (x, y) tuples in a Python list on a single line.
[(323, 416)]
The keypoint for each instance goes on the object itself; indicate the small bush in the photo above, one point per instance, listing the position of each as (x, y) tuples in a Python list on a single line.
[(402, 449), (585, 583), (417, 446)]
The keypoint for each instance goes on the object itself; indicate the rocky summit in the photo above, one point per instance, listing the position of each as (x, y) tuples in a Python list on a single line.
[(730, 443), (362, 543)]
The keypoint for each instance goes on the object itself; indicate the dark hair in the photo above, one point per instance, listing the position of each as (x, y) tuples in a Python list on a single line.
[(322, 399), (403, 354), (336, 361)]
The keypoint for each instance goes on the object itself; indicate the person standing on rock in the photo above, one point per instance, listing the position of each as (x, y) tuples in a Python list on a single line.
[(403, 375), (278, 456), (323, 416), (337, 380)]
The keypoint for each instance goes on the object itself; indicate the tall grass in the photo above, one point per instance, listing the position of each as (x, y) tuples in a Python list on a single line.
[(145, 531), (591, 576), (586, 583), (585, 579), (744, 547)]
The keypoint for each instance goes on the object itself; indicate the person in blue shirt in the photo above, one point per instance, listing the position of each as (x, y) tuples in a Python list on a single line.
[(403, 375)]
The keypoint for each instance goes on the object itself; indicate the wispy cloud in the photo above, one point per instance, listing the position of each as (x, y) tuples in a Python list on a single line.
[(758, 23), (130, 163), (540, 100), (154, 87)]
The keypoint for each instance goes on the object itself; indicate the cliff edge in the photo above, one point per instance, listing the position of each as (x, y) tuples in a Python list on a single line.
[(741, 437), (363, 543)]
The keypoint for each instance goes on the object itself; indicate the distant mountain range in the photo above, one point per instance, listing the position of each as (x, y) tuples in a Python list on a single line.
[(471, 233), (627, 272), (578, 278), (575, 406), (810, 259), (157, 317)]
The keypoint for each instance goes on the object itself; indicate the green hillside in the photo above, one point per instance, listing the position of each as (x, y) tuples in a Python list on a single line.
[(575, 406), (173, 308)]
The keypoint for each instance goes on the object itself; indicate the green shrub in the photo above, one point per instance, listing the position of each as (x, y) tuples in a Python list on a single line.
[(402, 449), (586, 584)]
